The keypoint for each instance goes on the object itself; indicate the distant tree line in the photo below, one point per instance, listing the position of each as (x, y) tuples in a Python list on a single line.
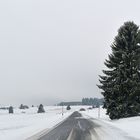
[(85, 101), (70, 103), (92, 101)]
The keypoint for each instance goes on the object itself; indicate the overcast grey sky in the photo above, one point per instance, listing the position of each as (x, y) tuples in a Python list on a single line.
[(53, 50)]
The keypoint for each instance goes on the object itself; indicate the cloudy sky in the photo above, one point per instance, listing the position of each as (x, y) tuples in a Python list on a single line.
[(53, 50)]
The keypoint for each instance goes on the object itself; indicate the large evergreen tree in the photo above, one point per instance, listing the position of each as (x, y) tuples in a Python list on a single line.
[(121, 81)]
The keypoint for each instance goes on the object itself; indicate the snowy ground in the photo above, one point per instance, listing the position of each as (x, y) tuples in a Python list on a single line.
[(128, 126), (25, 123)]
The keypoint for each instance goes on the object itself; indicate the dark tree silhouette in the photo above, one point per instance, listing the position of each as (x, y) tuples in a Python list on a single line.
[(68, 107), (11, 110), (40, 109), (121, 81)]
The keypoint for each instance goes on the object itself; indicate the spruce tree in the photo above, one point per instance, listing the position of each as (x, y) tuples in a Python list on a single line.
[(68, 107), (11, 110), (121, 80), (40, 109)]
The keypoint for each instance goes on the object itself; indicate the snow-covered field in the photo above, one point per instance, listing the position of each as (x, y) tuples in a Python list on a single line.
[(26, 123), (128, 126)]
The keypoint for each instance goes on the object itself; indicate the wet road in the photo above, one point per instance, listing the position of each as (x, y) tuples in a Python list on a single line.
[(77, 127), (73, 128)]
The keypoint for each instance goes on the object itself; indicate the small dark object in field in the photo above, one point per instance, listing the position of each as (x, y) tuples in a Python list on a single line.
[(82, 109), (90, 108), (11, 111), (68, 107), (40, 109)]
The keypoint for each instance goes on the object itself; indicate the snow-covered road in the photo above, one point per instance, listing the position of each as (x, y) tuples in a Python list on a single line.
[(82, 127)]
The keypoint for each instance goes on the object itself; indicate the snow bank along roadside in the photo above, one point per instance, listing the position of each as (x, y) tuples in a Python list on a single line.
[(130, 126), (20, 126)]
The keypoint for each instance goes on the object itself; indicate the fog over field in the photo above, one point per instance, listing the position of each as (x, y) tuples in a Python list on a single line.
[(52, 51)]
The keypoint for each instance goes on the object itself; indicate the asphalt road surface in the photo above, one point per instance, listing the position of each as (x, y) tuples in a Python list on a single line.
[(74, 128), (78, 127)]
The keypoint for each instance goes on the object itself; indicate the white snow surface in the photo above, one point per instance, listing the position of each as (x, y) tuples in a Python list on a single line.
[(129, 127), (25, 123)]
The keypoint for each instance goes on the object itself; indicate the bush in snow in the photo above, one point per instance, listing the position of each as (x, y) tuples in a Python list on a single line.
[(68, 107), (40, 109), (23, 106), (121, 81), (11, 110)]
